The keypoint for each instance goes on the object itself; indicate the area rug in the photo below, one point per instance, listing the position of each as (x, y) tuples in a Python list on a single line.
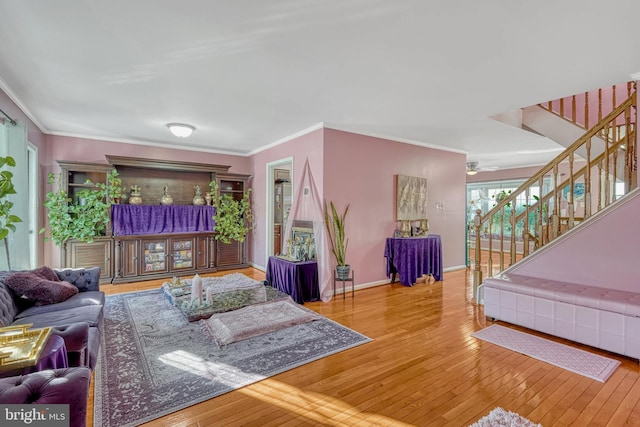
[(572, 359), (499, 418), (154, 362), (254, 320)]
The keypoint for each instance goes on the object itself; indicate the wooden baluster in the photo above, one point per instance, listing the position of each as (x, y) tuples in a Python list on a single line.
[(607, 169), (586, 110), (570, 200), (599, 105), (512, 220), (573, 110), (562, 108), (490, 260), (587, 182)]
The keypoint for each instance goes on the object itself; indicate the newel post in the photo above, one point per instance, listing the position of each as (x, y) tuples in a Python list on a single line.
[(477, 272)]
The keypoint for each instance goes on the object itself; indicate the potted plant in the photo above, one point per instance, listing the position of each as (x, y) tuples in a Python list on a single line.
[(83, 219), (7, 219), (335, 229), (233, 218)]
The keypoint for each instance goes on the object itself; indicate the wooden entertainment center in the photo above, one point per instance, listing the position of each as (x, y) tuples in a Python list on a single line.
[(125, 257)]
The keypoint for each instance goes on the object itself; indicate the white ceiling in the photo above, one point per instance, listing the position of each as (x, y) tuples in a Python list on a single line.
[(249, 73)]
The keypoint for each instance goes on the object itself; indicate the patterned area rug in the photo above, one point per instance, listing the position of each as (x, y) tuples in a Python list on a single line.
[(499, 417), (572, 359), (154, 362)]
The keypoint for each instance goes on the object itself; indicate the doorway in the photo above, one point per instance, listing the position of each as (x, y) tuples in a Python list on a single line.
[(279, 198), (32, 196)]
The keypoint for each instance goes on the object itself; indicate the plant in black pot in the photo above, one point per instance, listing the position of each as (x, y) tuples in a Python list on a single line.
[(334, 222)]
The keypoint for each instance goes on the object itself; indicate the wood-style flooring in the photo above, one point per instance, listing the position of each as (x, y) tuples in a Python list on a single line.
[(422, 369)]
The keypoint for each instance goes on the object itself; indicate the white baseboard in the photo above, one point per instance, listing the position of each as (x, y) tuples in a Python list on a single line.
[(454, 268)]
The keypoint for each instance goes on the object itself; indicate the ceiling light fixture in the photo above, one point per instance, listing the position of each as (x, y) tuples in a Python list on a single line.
[(472, 168), (181, 130)]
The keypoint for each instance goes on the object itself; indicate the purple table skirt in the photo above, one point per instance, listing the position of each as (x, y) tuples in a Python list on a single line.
[(156, 219), (53, 356), (298, 279), (414, 256)]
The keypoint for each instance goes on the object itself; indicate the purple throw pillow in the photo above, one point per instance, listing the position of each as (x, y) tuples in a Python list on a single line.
[(39, 290), (46, 273)]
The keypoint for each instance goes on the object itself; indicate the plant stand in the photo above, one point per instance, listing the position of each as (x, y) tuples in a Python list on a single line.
[(348, 279)]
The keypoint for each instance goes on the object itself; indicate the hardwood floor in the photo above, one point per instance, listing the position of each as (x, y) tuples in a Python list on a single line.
[(422, 369)]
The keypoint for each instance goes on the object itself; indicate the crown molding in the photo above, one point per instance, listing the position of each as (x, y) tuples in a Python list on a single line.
[(14, 98)]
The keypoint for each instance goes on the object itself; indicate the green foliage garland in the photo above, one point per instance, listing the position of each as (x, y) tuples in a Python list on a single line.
[(82, 219)]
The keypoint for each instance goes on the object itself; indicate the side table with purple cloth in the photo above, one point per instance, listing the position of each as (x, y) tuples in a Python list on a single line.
[(412, 257), (298, 279), (53, 356)]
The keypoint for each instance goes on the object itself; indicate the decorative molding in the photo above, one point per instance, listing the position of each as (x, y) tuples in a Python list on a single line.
[(13, 97), (288, 138)]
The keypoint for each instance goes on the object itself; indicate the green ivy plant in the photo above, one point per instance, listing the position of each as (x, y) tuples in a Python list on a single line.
[(7, 219), (233, 218), (114, 186), (83, 219)]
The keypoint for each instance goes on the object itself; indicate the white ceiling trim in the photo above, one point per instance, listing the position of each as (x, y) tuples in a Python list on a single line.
[(288, 138), (149, 144), (13, 97), (396, 139)]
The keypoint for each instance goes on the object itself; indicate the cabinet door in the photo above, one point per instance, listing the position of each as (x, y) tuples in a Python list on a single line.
[(154, 256), (183, 254), (130, 261), (229, 254), (202, 248), (86, 255)]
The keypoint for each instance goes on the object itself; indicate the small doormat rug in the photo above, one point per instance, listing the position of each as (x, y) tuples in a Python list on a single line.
[(501, 418), (154, 362), (572, 359)]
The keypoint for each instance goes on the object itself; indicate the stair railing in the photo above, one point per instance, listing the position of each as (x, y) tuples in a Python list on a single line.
[(588, 176)]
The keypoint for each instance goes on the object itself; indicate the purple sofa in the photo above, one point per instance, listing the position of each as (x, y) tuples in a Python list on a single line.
[(79, 321)]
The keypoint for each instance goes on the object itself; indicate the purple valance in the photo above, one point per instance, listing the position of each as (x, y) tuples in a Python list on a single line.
[(156, 219)]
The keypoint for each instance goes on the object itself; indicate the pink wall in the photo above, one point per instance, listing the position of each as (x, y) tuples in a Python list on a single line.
[(602, 252), (360, 170), (300, 148)]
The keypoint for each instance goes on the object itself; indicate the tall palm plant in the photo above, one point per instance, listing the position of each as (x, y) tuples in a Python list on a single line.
[(335, 229)]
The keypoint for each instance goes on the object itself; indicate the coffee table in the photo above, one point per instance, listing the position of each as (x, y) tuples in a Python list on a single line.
[(179, 295)]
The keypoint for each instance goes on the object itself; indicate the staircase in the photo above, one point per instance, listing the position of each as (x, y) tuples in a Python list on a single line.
[(591, 174)]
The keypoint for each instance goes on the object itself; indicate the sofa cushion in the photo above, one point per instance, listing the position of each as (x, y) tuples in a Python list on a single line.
[(31, 286), (78, 300), (46, 273), (85, 279), (92, 314)]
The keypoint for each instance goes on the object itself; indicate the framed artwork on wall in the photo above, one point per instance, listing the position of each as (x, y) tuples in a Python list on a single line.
[(411, 198)]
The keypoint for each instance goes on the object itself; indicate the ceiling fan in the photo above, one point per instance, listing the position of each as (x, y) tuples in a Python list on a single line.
[(472, 168)]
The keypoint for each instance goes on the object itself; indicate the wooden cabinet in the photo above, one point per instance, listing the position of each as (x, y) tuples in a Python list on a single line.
[(97, 253), (162, 255), (131, 257)]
